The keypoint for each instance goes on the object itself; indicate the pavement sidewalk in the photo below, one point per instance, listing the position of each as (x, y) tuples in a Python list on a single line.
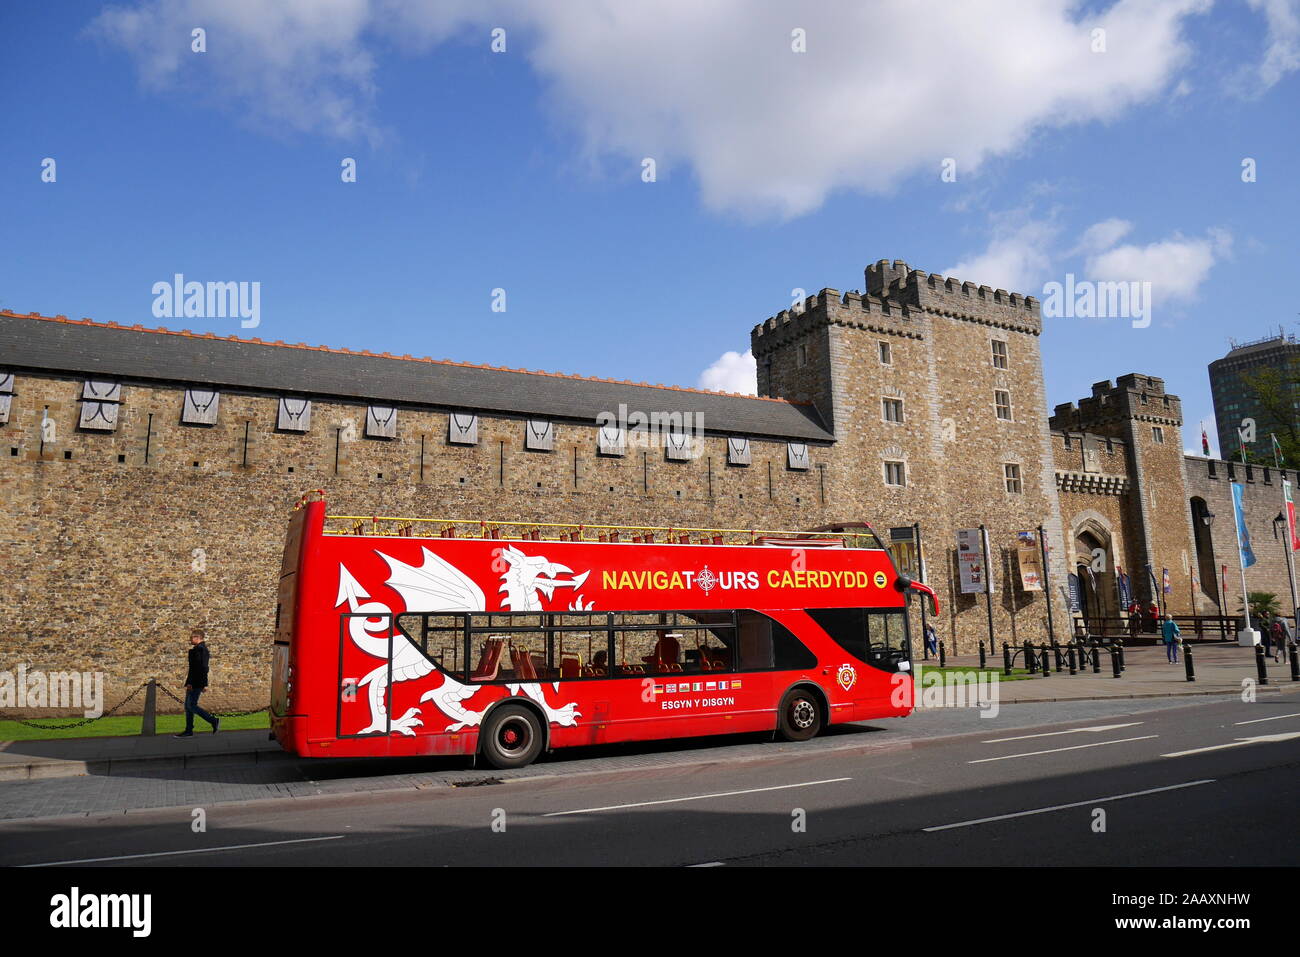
[(1220, 669)]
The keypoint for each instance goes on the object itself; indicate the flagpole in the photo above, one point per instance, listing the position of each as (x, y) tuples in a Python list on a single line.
[(1290, 532), (1236, 532)]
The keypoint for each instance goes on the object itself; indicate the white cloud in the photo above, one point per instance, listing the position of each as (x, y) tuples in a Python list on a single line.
[(732, 372), (296, 64), (1016, 259), (1103, 235), (1283, 52), (1175, 267), (884, 91)]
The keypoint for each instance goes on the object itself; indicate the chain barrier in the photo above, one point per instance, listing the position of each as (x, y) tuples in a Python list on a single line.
[(77, 724), (111, 712), (219, 714)]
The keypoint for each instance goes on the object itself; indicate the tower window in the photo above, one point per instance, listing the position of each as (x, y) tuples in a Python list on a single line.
[(892, 409), (1011, 473), (886, 354), (802, 354), (1157, 435), (1002, 402), (999, 354), (895, 474)]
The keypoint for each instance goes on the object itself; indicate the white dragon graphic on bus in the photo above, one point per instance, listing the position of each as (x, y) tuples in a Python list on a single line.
[(438, 586)]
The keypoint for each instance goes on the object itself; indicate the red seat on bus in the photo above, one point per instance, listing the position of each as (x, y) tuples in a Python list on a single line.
[(570, 667), (490, 662), (665, 655), (523, 663)]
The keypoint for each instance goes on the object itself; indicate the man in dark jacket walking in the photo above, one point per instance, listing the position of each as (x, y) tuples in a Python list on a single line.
[(196, 682)]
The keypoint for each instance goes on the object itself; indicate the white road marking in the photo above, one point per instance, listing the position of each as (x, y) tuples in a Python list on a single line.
[(1276, 717), (697, 797), (197, 850), (1062, 807), (1048, 734), (1289, 736), (710, 864), (1077, 747)]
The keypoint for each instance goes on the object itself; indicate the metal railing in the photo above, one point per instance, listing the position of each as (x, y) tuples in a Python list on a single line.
[(397, 526)]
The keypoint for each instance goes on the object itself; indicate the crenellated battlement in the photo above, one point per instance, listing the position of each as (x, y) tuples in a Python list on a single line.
[(1131, 396), (898, 280), (830, 306)]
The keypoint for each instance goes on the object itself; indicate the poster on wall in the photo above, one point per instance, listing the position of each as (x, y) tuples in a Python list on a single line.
[(970, 562), (1030, 560)]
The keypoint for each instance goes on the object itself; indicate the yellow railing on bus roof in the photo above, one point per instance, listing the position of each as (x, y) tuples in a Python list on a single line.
[(397, 526)]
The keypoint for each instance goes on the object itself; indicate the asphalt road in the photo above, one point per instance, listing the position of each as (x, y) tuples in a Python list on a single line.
[(1213, 783)]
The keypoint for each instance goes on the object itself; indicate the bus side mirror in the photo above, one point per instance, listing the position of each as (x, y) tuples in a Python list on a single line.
[(926, 590)]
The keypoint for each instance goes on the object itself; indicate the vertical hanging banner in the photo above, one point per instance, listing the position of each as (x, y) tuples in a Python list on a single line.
[(1125, 592), (1165, 581), (1290, 515), (970, 562), (1074, 592), (1239, 513), (1030, 559)]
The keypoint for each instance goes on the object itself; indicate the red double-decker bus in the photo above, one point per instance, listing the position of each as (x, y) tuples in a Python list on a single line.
[(421, 637)]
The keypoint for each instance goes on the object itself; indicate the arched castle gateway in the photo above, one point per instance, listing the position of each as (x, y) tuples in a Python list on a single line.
[(148, 474)]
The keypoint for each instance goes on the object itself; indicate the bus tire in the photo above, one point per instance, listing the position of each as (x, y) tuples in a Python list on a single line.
[(511, 737), (800, 716)]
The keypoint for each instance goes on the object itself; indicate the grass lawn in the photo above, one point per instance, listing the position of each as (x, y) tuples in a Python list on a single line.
[(125, 725)]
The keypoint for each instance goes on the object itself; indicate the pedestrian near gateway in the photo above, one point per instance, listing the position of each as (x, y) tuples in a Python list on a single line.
[(1170, 631)]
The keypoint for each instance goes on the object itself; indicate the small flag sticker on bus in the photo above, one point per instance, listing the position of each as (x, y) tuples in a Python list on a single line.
[(699, 686), (713, 685), (671, 689)]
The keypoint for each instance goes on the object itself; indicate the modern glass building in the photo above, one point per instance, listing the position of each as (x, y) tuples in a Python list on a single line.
[(1236, 402)]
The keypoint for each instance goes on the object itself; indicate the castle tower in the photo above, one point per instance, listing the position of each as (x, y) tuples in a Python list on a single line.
[(933, 388), (1137, 411)]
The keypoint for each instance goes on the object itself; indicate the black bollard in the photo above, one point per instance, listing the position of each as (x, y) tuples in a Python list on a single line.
[(1096, 660), (1260, 666), (149, 722), (1114, 662), (1119, 650), (943, 656), (1047, 662), (1006, 659), (1031, 659), (983, 660), (1056, 650), (1187, 661), (1070, 656), (1295, 664)]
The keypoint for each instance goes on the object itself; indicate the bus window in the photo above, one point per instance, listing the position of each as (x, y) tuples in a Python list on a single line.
[(440, 637), (764, 644), (876, 638)]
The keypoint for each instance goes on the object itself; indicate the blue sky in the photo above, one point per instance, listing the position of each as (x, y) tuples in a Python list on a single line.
[(776, 169)]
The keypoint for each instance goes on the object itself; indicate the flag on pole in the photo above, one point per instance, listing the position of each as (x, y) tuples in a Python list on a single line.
[(1278, 458), (1290, 515), (1205, 442), (1239, 513)]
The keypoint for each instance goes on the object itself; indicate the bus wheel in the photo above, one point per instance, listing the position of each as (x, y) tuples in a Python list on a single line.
[(801, 715), (511, 737)]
